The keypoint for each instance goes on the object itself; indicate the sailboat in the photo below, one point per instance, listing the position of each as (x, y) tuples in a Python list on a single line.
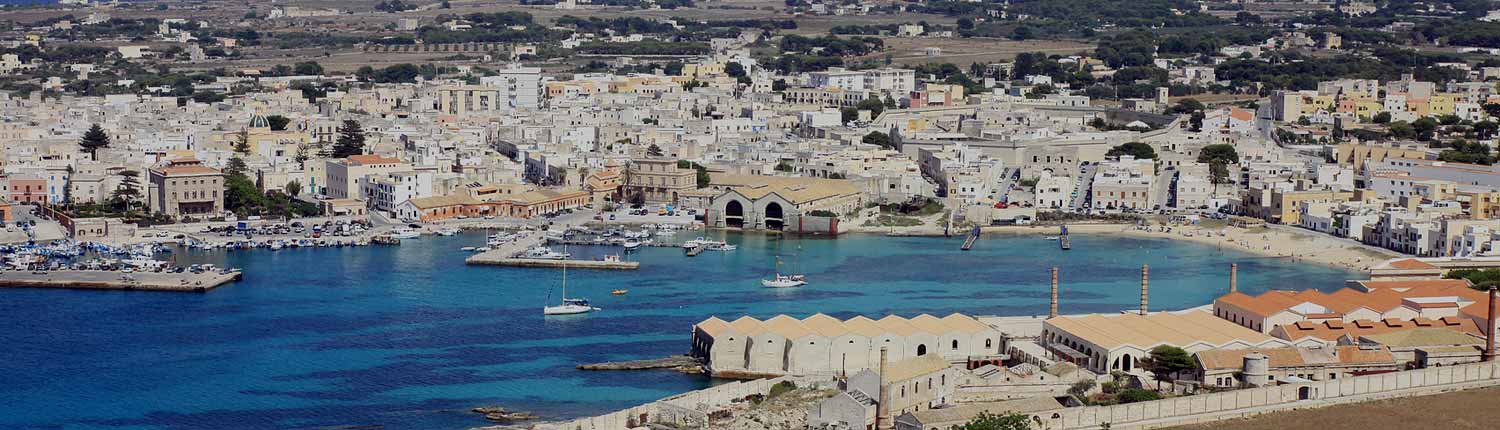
[(780, 280), (568, 306)]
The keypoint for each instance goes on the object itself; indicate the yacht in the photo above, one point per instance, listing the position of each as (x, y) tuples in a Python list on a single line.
[(631, 245), (545, 253), (784, 281), (568, 306), (447, 232), (405, 233)]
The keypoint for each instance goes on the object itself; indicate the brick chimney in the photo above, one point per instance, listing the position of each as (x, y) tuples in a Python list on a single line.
[(1053, 312), (882, 406), (1234, 272), (1145, 285), (1489, 328)]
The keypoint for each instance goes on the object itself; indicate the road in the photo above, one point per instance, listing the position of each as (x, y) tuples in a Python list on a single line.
[(1082, 185)]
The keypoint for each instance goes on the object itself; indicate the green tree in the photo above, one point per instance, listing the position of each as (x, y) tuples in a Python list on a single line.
[(1134, 395), (129, 190), (988, 421), (1382, 118), (1167, 361), (872, 104), (1186, 106), (654, 151), (94, 139), (294, 188), (1141, 151), (278, 122), (1219, 157), (879, 139), (308, 68), (351, 140), (1401, 130)]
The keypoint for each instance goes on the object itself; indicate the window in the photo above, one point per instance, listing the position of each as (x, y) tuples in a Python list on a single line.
[(955, 344)]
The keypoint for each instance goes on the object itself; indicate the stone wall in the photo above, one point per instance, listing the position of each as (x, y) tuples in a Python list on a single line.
[(1247, 402), (705, 400)]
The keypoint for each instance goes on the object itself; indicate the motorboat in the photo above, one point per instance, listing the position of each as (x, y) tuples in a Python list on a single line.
[(467, 248), (545, 253), (405, 233), (631, 245), (447, 232), (619, 292), (783, 281)]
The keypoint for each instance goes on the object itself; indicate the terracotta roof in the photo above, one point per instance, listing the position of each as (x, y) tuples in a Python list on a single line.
[(1422, 337), (1325, 332), (1410, 264), (1296, 357), (362, 159)]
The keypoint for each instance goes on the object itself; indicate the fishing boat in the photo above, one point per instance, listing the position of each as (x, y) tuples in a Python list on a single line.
[(568, 306), (405, 233), (545, 253), (447, 232), (631, 245), (619, 292)]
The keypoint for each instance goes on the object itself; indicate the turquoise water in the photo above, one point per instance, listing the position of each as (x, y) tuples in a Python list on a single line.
[(409, 338)]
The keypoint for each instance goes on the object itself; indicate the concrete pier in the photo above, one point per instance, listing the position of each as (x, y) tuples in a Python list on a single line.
[(484, 259), (185, 282)]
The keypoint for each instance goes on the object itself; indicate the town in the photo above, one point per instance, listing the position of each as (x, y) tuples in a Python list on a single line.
[(1356, 136)]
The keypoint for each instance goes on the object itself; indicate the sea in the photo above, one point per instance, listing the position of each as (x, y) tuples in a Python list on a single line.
[(408, 337)]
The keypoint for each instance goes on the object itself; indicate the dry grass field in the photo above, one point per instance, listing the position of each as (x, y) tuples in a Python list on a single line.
[(911, 51), (1477, 409)]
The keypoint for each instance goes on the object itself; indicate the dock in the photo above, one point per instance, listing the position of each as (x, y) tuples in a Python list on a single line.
[(973, 237), (1062, 240), (508, 255), (185, 282), (486, 260)]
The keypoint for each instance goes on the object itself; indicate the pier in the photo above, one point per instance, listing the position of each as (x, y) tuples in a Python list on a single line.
[(185, 282), (1062, 240), (973, 237), (509, 255)]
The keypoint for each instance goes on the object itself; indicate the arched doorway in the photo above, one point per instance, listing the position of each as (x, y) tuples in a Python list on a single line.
[(774, 214), (1304, 393), (734, 214)]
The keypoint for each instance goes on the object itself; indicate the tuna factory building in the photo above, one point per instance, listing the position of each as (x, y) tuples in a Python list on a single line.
[(823, 345)]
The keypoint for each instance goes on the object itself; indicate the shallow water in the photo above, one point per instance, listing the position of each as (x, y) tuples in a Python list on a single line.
[(410, 338)]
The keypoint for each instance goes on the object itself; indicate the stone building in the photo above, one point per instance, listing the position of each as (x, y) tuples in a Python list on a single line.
[(185, 187), (1225, 367), (823, 345), (659, 180), (767, 202)]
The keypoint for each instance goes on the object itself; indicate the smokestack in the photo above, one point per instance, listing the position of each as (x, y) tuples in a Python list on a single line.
[(882, 407), (1053, 312), (1489, 329), (1234, 271), (1145, 285)]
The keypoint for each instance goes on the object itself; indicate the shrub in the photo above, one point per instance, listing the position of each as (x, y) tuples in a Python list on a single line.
[(1138, 395), (781, 388)]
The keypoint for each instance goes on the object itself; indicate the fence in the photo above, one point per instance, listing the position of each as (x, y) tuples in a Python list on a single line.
[(1252, 401)]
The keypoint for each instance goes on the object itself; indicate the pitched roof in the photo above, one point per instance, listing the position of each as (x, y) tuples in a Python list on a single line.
[(914, 367), (1410, 264), (363, 159), (1331, 331), (1424, 336), (713, 326), (1296, 357), (826, 326), (1184, 328)]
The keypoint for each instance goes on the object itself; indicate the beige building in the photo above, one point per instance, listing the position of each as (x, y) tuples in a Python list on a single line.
[(769, 202), (1225, 367), (344, 174), (823, 345), (186, 188), (659, 180)]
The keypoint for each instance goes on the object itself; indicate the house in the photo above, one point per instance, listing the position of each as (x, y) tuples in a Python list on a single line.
[(658, 180), (185, 187), (1225, 367), (911, 385), (1425, 346)]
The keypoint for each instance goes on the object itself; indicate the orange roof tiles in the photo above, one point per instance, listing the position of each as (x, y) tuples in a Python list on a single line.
[(363, 159), (1411, 264)]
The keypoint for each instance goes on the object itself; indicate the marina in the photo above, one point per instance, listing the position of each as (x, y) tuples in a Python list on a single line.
[(337, 335)]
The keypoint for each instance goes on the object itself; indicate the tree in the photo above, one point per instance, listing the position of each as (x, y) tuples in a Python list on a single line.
[(988, 421), (293, 188), (1219, 157), (278, 122), (734, 70), (1382, 118), (128, 191), (1167, 360), (653, 151), (94, 139), (1140, 151), (308, 68), (351, 140), (1401, 130), (1186, 106), (879, 139), (1134, 395), (872, 104), (1486, 129), (778, 85)]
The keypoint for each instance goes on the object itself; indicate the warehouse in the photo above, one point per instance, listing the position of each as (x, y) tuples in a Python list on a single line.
[(823, 345)]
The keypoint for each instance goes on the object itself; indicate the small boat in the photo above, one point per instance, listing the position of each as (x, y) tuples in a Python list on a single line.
[(1050, 238), (620, 292), (568, 306), (545, 253), (447, 232), (611, 258), (405, 233), (467, 248), (783, 281), (483, 249), (631, 245)]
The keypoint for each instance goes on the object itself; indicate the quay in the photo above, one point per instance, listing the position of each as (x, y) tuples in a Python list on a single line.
[(509, 255), (113, 280), (490, 260)]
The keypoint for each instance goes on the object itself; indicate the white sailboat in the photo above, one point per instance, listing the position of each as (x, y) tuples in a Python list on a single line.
[(780, 280), (568, 306)]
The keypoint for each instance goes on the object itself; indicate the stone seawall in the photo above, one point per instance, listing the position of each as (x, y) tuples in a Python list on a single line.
[(1247, 402), (676, 407)]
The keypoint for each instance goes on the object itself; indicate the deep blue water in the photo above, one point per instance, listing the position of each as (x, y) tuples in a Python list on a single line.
[(409, 338)]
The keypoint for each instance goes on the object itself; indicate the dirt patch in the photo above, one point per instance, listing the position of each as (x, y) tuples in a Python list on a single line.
[(1462, 410)]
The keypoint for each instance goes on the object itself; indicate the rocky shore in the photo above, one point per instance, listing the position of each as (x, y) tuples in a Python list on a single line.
[(502, 415), (680, 363)]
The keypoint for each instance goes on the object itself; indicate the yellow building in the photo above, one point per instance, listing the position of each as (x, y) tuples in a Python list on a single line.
[(704, 70), (1355, 155)]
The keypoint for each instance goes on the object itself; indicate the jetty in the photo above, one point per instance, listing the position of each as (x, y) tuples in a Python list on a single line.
[(679, 362), (973, 237), (510, 255), (185, 282), (1062, 240)]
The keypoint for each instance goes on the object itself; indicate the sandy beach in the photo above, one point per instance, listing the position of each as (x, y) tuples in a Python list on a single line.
[(1275, 241)]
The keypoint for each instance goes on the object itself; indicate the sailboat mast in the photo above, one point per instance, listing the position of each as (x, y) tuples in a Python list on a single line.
[(565, 273)]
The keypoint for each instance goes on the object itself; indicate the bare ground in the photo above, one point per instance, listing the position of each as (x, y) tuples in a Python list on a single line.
[(1461, 410)]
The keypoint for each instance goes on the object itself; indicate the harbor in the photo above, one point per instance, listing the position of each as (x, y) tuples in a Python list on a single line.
[(185, 282)]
